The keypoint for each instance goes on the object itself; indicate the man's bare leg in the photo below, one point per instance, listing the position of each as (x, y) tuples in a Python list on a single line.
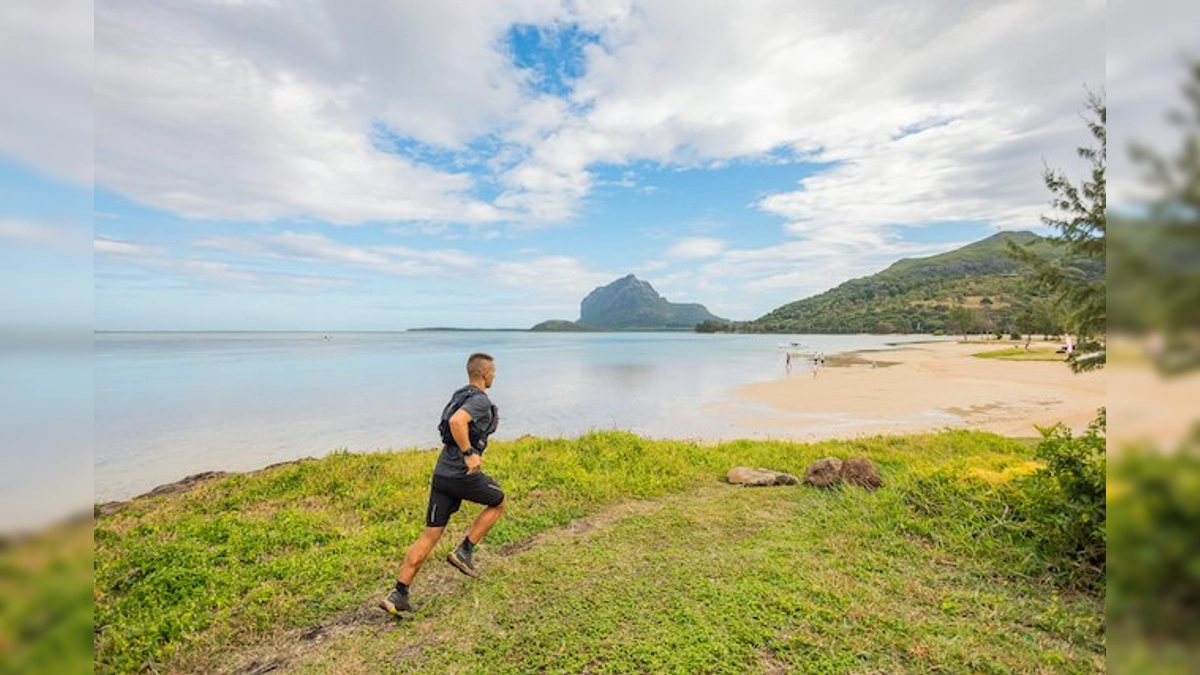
[(460, 557), (397, 601), (484, 522), (418, 552)]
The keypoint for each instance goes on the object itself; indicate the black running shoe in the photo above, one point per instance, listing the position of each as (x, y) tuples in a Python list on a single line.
[(397, 603), (461, 558)]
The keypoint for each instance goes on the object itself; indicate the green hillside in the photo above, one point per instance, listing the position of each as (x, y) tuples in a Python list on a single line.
[(977, 288)]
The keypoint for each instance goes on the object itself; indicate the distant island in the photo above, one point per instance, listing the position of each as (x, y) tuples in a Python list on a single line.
[(631, 304)]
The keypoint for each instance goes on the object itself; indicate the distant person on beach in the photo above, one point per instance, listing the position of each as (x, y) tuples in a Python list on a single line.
[(467, 422), (788, 363), (1068, 345)]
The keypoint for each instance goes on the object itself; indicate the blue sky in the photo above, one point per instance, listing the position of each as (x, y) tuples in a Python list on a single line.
[(383, 165)]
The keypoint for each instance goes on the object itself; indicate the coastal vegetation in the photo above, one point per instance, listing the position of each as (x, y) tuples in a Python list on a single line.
[(563, 326), (1019, 353), (979, 288), (1153, 587), (618, 554), (45, 599)]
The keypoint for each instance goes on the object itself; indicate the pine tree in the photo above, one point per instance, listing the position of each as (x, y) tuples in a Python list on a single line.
[(1079, 219)]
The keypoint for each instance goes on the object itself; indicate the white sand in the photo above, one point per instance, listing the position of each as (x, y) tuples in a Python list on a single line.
[(933, 386)]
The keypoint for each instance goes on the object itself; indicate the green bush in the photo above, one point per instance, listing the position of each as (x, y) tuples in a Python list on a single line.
[(45, 600), (1044, 522), (1066, 509), (1154, 589)]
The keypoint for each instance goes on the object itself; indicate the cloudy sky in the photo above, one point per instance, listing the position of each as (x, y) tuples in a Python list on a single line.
[(386, 165)]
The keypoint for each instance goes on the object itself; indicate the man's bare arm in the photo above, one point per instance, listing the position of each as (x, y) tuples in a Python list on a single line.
[(459, 429)]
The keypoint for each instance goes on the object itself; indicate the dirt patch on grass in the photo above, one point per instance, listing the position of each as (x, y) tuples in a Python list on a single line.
[(292, 646), (263, 667), (769, 662), (437, 580), (579, 526)]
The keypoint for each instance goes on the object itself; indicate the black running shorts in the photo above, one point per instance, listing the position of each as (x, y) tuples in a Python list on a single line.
[(447, 494)]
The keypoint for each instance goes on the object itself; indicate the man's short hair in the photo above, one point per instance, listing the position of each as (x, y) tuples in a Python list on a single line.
[(476, 364)]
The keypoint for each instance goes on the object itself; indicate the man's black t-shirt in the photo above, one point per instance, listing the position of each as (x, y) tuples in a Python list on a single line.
[(477, 404)]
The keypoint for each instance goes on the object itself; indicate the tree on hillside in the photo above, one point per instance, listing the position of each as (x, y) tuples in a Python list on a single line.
[(963, 319), (1079, 220), (1038, 316)]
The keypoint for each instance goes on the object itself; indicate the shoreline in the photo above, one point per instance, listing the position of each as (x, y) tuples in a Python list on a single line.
[(910, 387), (922, 387)]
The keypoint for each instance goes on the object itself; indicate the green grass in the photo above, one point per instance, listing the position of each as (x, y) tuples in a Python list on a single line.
[(45, 604), (1021, 354), (617, 554)]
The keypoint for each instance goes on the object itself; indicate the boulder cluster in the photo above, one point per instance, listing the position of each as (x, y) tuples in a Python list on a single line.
[(829, 471), (823, 473)]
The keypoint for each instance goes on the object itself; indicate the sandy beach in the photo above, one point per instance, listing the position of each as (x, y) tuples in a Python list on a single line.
[(925, 387)]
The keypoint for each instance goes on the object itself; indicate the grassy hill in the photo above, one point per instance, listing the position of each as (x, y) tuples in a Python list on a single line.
[(978, 287), (618, 554)]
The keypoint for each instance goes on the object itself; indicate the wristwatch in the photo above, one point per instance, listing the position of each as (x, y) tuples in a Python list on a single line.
[(468, 452)]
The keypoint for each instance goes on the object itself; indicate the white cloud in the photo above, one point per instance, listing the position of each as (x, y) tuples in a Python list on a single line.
[(539, 279), (256, 113), (46, 75), (946, 173), (700, 83), (193, 269), (696, 247), (318, 247), (561, 276), (44, 236), (114, 247)]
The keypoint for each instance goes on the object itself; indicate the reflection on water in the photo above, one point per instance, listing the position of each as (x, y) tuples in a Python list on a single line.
[(622, 376)]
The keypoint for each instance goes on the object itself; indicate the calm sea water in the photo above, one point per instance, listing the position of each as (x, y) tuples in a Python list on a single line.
[(171, 404)]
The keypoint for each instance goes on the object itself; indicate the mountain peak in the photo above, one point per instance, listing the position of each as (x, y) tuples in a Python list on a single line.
[(629, 303)]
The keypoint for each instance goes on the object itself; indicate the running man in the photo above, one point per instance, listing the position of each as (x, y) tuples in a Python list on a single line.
[(467, 422)]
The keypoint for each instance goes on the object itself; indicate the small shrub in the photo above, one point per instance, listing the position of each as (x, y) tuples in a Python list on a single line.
[(1066, 511), (1048, 521)]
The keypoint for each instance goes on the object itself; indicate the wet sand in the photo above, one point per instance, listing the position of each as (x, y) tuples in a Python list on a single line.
[(924, 387)]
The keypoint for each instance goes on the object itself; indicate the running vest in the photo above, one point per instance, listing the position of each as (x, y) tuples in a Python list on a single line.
[(479, 438)]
